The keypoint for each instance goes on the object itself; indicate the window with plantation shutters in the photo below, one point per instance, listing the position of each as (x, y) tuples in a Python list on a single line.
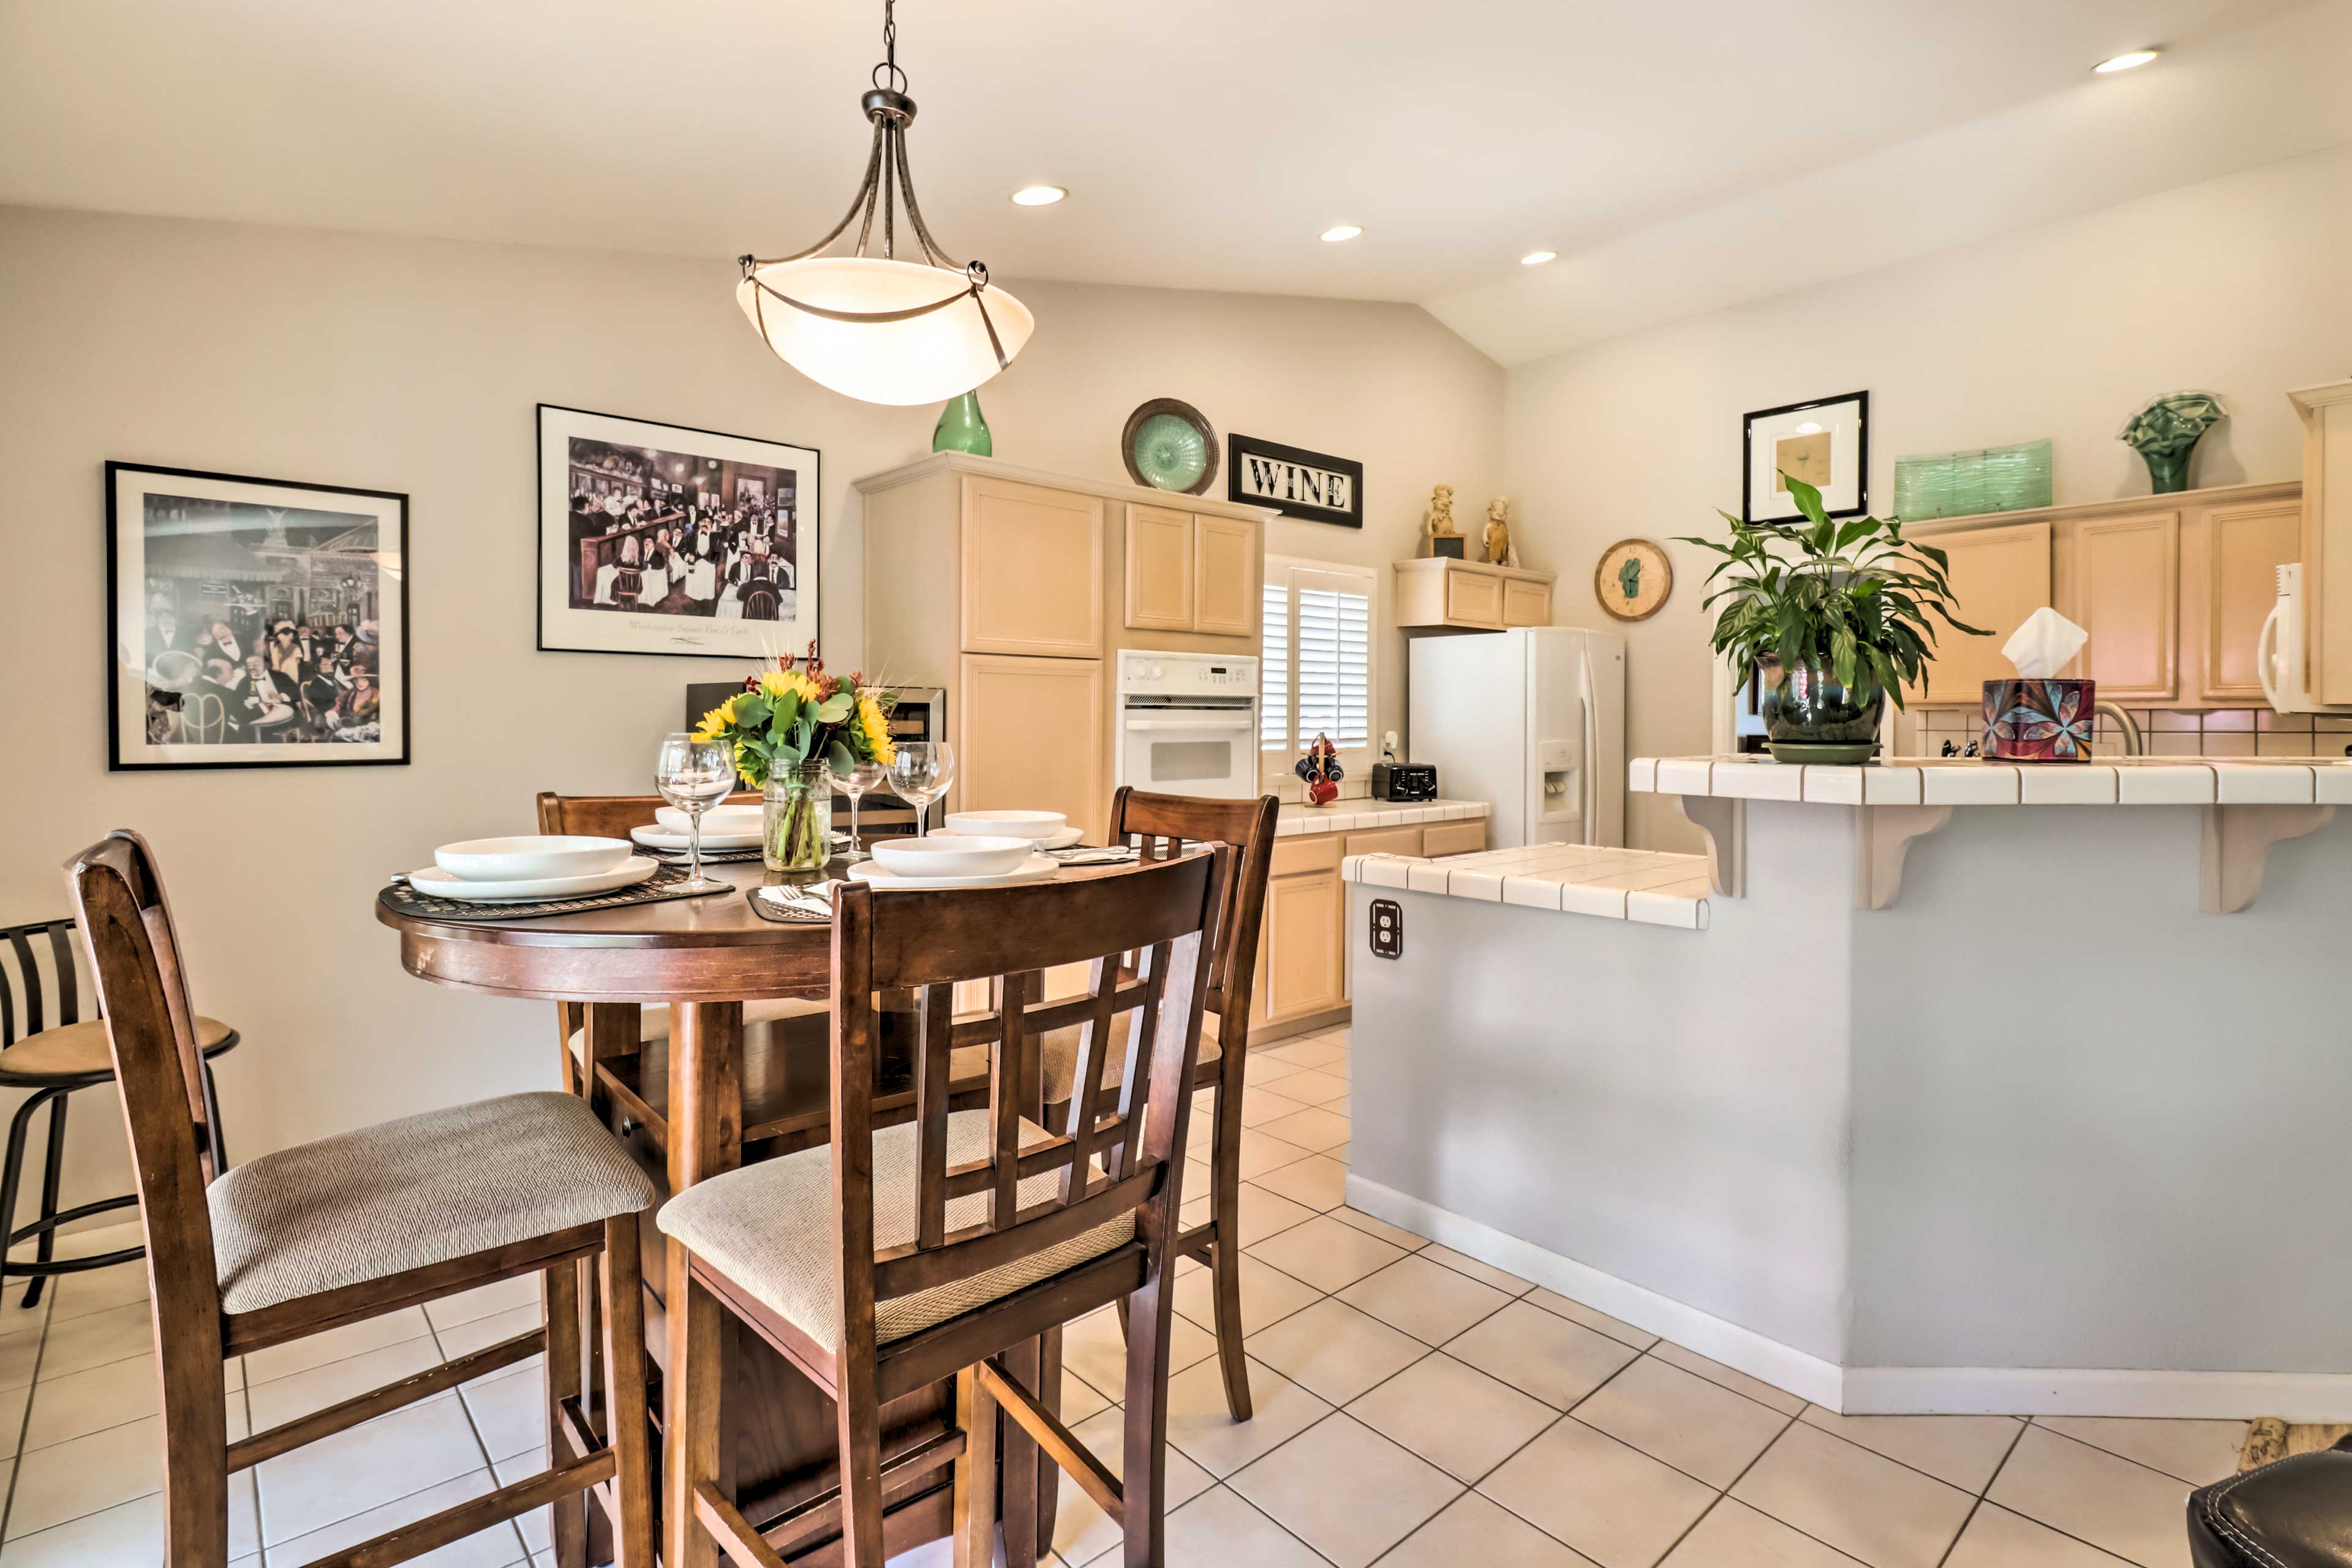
[(1315, 668)]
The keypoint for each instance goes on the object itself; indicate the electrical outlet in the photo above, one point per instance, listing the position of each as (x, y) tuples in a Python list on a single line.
[(1387, 928)]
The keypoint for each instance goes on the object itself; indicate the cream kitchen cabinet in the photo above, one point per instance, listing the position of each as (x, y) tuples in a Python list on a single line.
[(1192, 571), (2326, 543), (1033, 737), (2172, 589), (994, 583), (1437, 594)]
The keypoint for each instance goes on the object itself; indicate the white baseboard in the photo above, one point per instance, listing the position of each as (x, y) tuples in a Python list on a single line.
[(1783, 1366), (2096, 1391), (1876, 1390)]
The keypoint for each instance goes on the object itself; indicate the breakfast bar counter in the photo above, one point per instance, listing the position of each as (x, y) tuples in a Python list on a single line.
[(1914, 1035)]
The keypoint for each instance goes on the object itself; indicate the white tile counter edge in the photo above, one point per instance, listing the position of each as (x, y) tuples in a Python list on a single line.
[(2140, 780), (1357, 815), (1520, 876)]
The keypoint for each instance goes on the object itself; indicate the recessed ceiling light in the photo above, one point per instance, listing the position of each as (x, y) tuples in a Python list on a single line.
[(1538, 258), (2126, 61), (1341, 231), (1038, 195)]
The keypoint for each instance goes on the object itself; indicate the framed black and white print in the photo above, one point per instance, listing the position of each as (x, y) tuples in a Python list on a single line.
[(663, 539), (254, 623), (1295, 482), (1825, 442)]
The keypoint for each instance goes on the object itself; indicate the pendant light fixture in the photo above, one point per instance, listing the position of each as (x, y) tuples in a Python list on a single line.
[(873, 327)]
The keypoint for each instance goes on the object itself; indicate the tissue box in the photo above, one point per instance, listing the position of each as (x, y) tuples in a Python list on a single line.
[(2040, 720)]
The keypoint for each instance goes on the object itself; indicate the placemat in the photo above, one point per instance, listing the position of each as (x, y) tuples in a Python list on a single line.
[(662, 885)]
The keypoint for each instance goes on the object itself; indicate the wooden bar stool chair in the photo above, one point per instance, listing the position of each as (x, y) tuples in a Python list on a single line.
[(352, 1227), (1159, 825), (888, 1260), (52, 1061)]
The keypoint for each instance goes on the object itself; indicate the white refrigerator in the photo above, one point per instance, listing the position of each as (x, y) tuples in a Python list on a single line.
[(1531, 721)]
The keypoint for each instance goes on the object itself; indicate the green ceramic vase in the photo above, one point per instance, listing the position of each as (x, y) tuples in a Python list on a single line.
[(962, 429), (1809, 717)]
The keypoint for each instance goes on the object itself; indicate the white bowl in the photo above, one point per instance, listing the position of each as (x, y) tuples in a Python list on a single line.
[(715, 819), (953, 855), (1033, 825), (531, 857)]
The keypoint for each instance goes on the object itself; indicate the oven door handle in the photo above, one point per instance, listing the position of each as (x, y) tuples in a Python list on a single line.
[(1236, 722)]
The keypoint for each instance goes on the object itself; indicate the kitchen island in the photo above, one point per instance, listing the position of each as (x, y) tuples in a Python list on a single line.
[(1932, 1087)]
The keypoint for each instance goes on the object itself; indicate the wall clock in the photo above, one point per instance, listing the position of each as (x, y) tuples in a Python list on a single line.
[(1632, 580), (1169, 446)]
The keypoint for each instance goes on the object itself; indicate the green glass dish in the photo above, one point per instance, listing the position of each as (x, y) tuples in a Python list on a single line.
[(1171, 453), (1169, 446)]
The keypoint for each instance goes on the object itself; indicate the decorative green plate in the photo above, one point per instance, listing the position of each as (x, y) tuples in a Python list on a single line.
[(1169, 446)]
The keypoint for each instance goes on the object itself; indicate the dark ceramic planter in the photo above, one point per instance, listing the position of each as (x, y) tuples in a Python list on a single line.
[(1810, 717)]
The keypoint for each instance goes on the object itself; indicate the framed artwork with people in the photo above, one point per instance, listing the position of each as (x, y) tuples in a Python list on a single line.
[(663, 539), (254, 623)]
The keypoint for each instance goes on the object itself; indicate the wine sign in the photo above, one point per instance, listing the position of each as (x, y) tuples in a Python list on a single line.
[(1313, 485)]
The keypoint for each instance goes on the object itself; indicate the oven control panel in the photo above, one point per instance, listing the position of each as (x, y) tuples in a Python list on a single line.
[(1186, 674)]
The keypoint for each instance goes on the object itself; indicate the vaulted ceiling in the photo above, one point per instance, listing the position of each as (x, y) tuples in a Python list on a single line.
[(1677, 157)]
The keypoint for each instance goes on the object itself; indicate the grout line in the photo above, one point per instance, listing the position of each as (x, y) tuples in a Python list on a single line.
[(32, 1391), (1726, 1492), (481, 1446), (2097, 1449)]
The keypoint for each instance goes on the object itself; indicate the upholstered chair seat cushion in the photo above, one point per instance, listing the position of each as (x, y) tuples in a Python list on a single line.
[(653, 1021), (422, 1190), (1058, 1050), (773, 1229), (81, 1050)]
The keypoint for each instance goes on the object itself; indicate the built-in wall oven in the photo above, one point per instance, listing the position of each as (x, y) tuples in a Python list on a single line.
[(1186, 724)]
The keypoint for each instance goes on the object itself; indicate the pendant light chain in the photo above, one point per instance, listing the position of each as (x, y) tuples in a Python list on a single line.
[(889, 182)]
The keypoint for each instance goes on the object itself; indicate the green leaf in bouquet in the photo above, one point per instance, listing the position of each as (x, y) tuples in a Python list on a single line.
[(838, 758), (836, 708), (750, 711)]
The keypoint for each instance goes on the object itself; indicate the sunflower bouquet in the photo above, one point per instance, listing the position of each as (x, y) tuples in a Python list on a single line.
[(791, 726)]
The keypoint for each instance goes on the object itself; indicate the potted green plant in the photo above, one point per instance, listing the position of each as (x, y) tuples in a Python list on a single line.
[(1835, 614)]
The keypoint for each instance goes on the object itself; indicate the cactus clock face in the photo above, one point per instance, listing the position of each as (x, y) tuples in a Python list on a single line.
[(1634, 579)]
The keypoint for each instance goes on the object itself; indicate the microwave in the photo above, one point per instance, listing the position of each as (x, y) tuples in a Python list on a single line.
[(1186, 724)]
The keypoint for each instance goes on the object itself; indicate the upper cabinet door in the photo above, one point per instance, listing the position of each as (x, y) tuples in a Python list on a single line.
[(1159, 571), (2232, 578), (1473, 599), (1033, 570), (2126, 595), (1526, 603), (1999, 576), (1226, 567)]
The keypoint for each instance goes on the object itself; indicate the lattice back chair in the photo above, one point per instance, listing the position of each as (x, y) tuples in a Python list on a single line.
[(50, 1053), (352, 1227), (1159, 825), (890, 1259)]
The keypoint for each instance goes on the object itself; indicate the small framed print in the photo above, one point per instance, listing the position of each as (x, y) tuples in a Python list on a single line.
[(1825, 442), (254, 623), (665, 539)]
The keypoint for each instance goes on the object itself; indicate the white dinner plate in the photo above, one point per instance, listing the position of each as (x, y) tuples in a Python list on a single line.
[(437, 883), (530, 859), (663, 838), (732, 818), (1062, 840), (1036, 871)]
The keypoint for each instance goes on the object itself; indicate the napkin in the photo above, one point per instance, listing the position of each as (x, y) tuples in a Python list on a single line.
[(2041, 646)]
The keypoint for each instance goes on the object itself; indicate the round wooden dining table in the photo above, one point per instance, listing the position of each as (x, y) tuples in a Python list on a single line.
[(703, 957)]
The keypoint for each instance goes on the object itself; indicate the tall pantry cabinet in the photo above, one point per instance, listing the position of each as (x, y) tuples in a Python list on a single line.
[(1012, 589)]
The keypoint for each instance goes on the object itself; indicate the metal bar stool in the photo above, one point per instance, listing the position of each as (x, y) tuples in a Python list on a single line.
[(52, 1061)]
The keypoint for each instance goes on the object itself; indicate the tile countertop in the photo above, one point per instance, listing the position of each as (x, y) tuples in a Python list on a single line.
[(1930, 781), (1350, 815), (1568, 878)]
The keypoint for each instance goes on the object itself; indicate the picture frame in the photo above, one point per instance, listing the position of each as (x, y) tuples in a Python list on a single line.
[(1828, 441), (666, 539), (1314, 487), (254, 623)]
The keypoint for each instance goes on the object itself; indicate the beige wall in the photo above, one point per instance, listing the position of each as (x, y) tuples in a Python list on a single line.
[(414, 365), (2237, 286)]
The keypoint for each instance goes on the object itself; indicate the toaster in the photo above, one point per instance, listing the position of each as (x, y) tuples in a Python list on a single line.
[(1405, 781)]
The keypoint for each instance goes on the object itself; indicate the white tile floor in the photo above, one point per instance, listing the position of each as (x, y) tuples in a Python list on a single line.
[(1415, 1408)]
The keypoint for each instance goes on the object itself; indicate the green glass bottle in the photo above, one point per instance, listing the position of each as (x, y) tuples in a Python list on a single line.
[(961, 428)]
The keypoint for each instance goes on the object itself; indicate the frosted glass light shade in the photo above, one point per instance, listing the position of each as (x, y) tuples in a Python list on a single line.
[(924, 359)]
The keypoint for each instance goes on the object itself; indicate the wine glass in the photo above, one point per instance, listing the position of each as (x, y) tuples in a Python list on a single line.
[(919, 775), (695, 775), (863, 775)]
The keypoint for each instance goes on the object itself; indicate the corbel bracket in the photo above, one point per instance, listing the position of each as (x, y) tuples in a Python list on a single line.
[(1882, 839), (1725, 822), (2238, 840)]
